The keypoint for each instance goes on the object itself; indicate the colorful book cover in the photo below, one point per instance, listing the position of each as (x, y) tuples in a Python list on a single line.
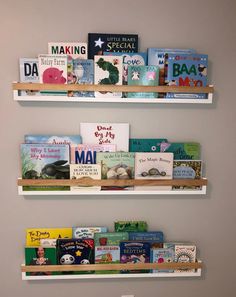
[(34, 235), (136, 252), (87, 232), (53, 139), (162, 255), (29, 73), (107, 255), (110, 238), (108, 71), (106, 133), (82, 73), (53, 70), (145, 145), (185, 254), (45, 161), (187, 169), (130, 226), (187, 70), (75, 50), (40, 256), (182, 150), (118, 165), (153, 166), (87, 153), (143, 76), (151, 236), (98, 43), (92, 171)]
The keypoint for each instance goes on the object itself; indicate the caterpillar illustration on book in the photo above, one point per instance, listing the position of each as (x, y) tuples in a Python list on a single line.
[(112, 69)]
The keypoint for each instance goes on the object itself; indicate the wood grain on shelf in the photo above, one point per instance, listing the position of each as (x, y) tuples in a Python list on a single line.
[(110, 88)]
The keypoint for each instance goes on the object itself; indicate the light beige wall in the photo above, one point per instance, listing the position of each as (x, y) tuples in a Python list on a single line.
[(209, 221)]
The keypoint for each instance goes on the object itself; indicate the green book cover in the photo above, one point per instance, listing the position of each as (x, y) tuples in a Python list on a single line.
[(110, 238), (182, 150), (146, 144), (131, 226)]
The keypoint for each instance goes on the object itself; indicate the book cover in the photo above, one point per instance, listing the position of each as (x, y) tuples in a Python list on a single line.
[(153, 166), (82, 73), (145, 144), (92, 171), (162, 255), (108, 71), (187, 169), (187, 70), (182, 150), (48, 242), (53, 70), (34, 235), (98, 43), (106, 133), (53, 139), (40, 256), (151, 236), (87, 232), (75, 50), (185, 254), (29, 73), (135, 252), (107, 255), (130, 226), (143, 76), (45, 161), (87, 153), (110, 238)]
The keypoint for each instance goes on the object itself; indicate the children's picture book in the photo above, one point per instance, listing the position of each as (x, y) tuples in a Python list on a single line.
[(187, 70), (110, 238), (145, 145), (40, 256), (107, 255), (75, 50), (187, 169), (143, 76), (130, 226), (87, 232), (98, 43), (153, 166), (29, 73), (48, 242), (182, 150), (135, 252), (82, 73), (162, 255), (151, 236), (87, 153), (45, 161), (106, 133), (53, 139), (108, 71), (53, 70), (185, 254), (34, 235), (78, 171)]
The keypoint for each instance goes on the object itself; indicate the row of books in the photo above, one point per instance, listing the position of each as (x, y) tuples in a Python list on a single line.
[(114, 59), (131, 242)]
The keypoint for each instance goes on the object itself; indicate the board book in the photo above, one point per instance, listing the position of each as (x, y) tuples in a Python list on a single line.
[(110, 238), (29, 73), (151, 236), (130, 226), (185, 254), (145, 144), (53, 139), (182, 150), (87, 232), (107, 255), (162, 255)]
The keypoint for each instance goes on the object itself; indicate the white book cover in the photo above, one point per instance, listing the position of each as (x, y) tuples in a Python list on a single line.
[(153, 166), (29, 73), (185, 254), (75, 50), (106, 133), (108, 71)]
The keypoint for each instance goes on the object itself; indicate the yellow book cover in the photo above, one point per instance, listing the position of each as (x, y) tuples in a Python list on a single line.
[(34, 235)]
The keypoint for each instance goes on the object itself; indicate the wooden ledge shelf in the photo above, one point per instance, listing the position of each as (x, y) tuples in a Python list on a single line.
[(110, 88)]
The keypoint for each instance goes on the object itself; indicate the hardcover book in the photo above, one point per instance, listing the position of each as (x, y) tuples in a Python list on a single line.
[(87, 232), (151, 236), (75, 50), (153, 166), (145, 145), (162, 255), (98, 43), (185, 254), (53, 139), (78, 171), (107, 255), (143, 76), (110, 238), (45, 161), (29, 74), (108, 71), (182, 150), (130, 226), (87, 153), (187, 70), (106, 133), (34, 235)]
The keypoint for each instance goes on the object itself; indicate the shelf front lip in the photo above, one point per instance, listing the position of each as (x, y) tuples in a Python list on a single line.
[(110, 88), (119, 183)]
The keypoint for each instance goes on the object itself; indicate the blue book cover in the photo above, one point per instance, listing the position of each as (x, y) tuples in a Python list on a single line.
[(145, 145), (187, 70), (53, 139), (98, 43), (154, 236), (162, 255)]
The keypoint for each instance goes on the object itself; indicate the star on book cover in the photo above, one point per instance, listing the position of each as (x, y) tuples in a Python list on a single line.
[(98, 43)]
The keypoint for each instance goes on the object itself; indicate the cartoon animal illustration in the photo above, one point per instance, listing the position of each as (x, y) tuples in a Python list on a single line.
[(113, 72), (172, 83), (120, 171), (84, 261), (153, 172), (151, 75), (67, 259), (57, 170), (202, 70), (31, 174), (53, 75), (135, 75)]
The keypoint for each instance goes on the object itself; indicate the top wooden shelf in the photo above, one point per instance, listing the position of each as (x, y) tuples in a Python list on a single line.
[(110, 88)]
